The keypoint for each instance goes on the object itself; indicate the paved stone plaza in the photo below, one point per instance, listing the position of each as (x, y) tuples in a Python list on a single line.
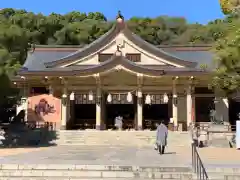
[(220, 157), (104, 155), (81, 162)]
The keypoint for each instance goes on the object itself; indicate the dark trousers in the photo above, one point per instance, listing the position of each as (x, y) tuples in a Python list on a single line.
[(161, 149)]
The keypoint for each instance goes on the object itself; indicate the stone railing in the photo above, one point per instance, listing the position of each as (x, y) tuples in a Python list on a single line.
[(207, 132)]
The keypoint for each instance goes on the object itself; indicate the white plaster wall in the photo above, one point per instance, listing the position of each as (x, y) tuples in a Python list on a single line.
[(110, 49), (147, 60), (92, 60), (128, 47)]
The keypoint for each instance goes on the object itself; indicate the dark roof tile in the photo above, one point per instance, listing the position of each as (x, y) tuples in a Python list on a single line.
[(109, 64), (200, 57), (37, 59)]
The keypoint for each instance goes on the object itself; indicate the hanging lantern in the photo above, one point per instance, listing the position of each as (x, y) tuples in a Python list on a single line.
[(165, 98), (148, 99), (139, 94), (109, 98), (129, 97), (90, 96)]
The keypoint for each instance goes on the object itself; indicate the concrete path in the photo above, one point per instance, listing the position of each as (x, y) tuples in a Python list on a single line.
[(212, 156), (15, 151), (104, 155)]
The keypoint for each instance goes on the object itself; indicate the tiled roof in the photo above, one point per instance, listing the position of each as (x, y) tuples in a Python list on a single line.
[(199, 56), (37, 59), (110, 64), (45, 54)]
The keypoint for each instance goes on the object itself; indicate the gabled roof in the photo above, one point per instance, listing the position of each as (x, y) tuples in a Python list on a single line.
[(119, 27), (83, 52), (35, 61), (113, 62)]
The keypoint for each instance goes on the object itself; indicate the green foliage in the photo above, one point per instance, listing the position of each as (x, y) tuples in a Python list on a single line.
[(81, 28), (227, 50), (229, 6), (203, 67)]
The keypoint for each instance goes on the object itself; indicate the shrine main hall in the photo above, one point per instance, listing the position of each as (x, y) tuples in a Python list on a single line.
[(120, 74)]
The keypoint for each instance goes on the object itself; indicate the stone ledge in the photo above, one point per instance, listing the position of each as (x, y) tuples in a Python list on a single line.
[(64, 178), (92, 174), (231, 177), (15, 151), (94, 167)]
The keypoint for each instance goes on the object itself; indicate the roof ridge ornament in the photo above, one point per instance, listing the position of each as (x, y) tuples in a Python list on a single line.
[(118, 51), (120, 19)]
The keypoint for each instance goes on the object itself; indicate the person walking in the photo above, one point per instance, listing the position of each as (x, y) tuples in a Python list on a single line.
[(162, 133)]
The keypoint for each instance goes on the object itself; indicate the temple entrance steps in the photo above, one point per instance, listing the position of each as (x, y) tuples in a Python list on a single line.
[(123, 138), (97, 163), (223, 173), (92, 172)]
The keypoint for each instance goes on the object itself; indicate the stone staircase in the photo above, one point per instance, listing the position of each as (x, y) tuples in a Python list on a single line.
[(120, 138), (103, 155), (223, 173), (109, 172), (94, 172), (221, 163)]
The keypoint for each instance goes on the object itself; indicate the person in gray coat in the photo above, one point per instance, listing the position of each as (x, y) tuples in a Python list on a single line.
[(162, 133)]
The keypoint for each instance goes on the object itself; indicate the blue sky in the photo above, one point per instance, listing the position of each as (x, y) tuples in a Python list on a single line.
[(201, 11)]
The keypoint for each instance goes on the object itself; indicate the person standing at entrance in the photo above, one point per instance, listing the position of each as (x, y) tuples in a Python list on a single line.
[(118, 122), (162, 133)]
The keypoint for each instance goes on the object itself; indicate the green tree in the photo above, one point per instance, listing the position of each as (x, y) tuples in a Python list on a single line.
[(227, 50), (81, 33), (229, 6), (13, 51)]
